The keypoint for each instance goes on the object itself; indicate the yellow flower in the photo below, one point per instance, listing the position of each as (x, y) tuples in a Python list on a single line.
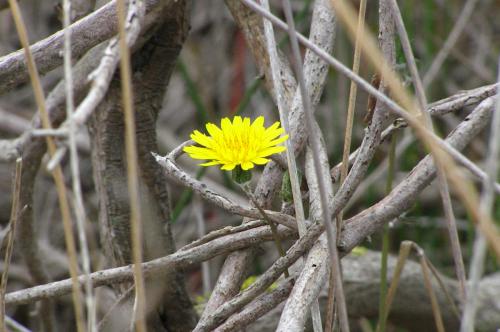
[(237, 143)]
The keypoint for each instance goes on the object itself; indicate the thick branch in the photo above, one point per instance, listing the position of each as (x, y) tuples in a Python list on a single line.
[(86, 33)]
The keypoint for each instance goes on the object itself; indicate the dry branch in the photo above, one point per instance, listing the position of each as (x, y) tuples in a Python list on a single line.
[(87, 33), (178, 260)]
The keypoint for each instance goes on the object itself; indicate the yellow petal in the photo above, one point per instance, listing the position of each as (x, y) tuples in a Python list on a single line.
[(211, 163), (226, 125), (270, 134), (201, 139), (228, 167), (237, 121), (246, 165), (277, 141), (214, 131), (272, 150), (260, 161), (197, 152), (258, 123)]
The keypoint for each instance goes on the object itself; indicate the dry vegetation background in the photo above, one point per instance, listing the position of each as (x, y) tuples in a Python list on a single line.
[(195, 62)]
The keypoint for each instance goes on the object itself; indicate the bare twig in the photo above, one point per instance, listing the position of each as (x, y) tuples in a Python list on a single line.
[(356, 229), (258, 307), (15, 326), (173, 170), (290, 153), (248, 191), (441, 107), (298, 249), (228, 230), (102, 75), (178, 260), (318, 262)]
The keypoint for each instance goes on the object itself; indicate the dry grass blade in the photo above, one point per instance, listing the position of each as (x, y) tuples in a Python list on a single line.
[(463, 186), (347, 148), (443, 184), (404, 252), (352, 97), (449, 298), (487, 202), (14, 213), (132, 169), (427, 267), (428, 285), (57, 173)]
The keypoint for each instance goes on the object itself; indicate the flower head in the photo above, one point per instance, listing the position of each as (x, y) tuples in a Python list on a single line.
[(237, 143)]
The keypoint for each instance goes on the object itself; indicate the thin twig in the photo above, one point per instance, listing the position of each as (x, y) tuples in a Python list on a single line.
[(459, 26), (132, 162), (57, 173), (257, 308), (172, 169), (438, 108), (314, 142), (75, 171), (109, 313), (15, 326), (228, 230), (290, 154), (405, 194)]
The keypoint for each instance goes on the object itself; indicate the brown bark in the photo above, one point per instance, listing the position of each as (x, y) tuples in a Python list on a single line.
[(169, 307)]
